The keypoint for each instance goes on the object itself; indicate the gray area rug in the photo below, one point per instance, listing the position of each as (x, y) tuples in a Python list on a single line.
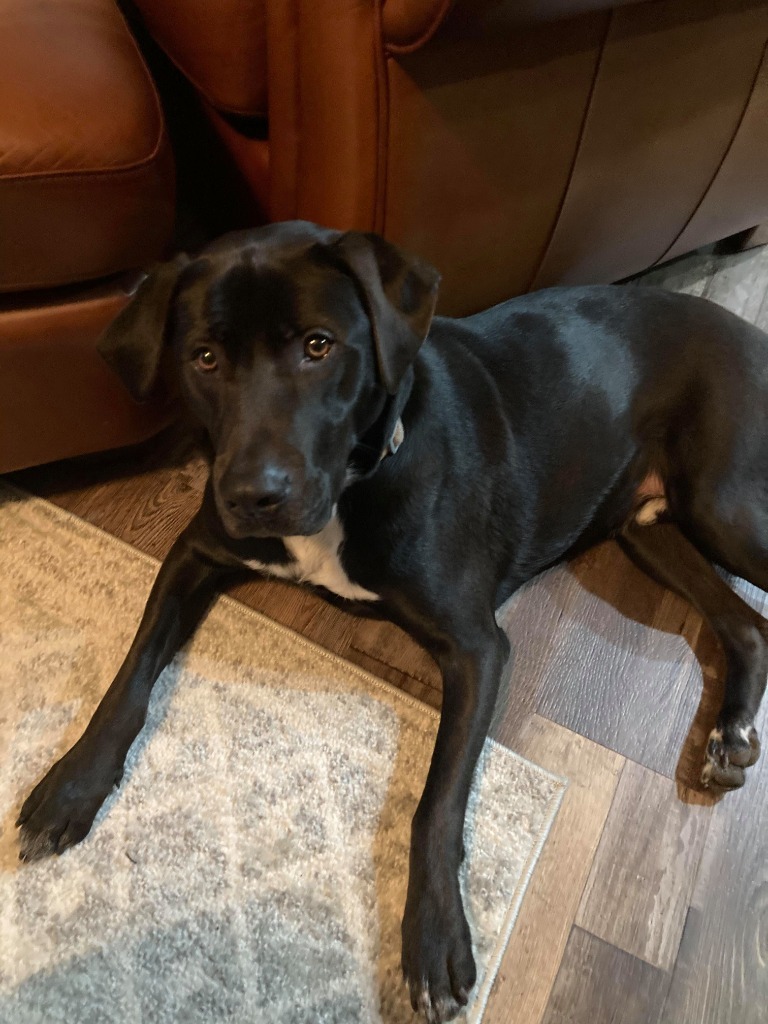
[(252, 866)]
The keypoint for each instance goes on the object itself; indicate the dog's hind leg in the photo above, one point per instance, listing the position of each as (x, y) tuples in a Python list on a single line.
[(669, 557)]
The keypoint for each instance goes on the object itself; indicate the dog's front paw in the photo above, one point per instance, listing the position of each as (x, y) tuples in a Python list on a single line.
[(60, 809), (438, 965), (731, 749)]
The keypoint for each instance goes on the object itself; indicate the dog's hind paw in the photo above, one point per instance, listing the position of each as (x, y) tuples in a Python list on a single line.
[(731, 749)]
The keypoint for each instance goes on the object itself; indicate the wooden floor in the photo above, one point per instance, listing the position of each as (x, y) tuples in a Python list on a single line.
[(650, 901)]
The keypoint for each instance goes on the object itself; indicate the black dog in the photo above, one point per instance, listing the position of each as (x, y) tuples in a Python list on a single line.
[(427, 482)]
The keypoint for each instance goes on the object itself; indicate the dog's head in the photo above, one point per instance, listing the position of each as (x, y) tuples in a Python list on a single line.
[(287, 341)]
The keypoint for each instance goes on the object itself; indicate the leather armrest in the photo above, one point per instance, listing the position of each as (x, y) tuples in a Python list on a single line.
[(408, 24)]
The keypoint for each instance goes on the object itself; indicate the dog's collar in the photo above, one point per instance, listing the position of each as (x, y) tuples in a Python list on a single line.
[(384, 437), (395, 441)]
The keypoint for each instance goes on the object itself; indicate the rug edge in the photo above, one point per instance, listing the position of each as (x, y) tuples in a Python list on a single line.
[(480, 1003)]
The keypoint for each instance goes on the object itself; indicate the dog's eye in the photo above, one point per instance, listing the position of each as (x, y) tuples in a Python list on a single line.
[(205, 360), (317, 346)]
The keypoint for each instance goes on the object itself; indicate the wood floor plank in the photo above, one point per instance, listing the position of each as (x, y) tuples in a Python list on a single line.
[(599, 984), (721, 973), (378, 647), (604, 651), (146, 497), (640, 885), (532, 958)]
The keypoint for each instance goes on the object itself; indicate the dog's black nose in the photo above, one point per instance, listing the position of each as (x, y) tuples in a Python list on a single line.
[(260, 494)]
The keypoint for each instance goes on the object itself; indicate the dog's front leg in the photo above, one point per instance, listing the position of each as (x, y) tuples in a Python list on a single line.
[(438, 964), (60, 809)]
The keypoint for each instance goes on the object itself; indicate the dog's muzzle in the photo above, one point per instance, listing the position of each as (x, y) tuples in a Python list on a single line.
[(270, 504)]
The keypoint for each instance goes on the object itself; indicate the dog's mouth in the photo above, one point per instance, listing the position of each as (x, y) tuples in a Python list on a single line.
[(295, 520)]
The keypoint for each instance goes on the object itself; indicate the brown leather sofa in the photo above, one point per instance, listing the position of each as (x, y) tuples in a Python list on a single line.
[(86, 198), (514, 143)]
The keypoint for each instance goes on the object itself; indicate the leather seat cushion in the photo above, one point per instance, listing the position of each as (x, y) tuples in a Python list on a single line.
[(86, 177)]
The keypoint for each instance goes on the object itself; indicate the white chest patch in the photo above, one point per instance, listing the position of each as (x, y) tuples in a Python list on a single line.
[(316, 561)]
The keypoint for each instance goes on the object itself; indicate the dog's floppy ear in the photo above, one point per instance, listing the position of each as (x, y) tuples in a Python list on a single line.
[(133, 343), (400, 294)]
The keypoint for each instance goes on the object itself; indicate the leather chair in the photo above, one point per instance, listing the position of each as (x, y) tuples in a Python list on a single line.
[(514, 143), (86, 198)]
